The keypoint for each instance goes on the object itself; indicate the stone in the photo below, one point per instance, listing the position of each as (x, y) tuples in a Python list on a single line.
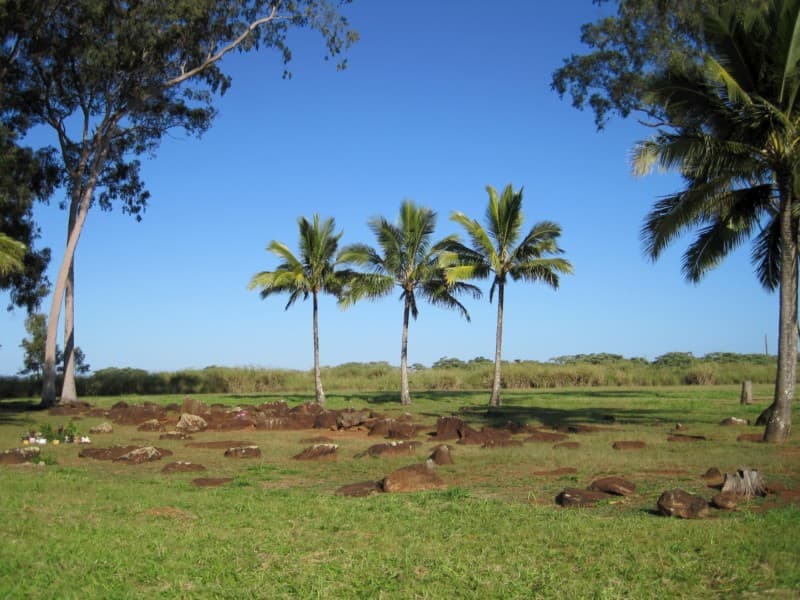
[(182, 467), (449, 428), (243, 452), (486, 435), (189, 423), (725, 501), (398, 448), (501, 443), (628, 445), (360, 489), (17, 456), (441, 455), (151, 425), (614, 485), (194, 407), (175, 435), (135, 414), (682, 504), (351, 418), (140, 455), (104, 427), (714, 477), (326, 420), (546, 436), (402, 431), (318, 452), (413, 478), (571, 497), (734, 421)]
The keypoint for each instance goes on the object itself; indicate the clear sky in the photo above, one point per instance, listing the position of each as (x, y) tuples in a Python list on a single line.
[(439, 99)]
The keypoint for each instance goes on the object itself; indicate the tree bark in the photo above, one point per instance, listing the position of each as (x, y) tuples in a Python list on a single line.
[(747, 392), (317, 373), (779, 414), (495, 399), (68, 391), (405, 395)]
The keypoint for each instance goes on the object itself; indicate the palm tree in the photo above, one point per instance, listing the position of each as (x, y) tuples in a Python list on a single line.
[(733, 133), (498, 251), (405, 258), (314, 272), (11, 255)]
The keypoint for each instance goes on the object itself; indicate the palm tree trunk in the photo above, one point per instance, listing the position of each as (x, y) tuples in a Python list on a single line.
[(405, 395), (779, 414), (68, 391), (317, 373), (495, 399)]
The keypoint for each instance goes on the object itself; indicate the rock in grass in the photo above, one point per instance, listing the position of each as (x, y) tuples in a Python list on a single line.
[(17, 456), (413, 478), (682, 504), (105, 427), (441, 455), (714, 477), (189, 423), (614, 485), (141, 455), (151, 425), (182, 467), (243, 452), (360, 489), (734, 421), (725, 501), (574, 497), (318, 452)]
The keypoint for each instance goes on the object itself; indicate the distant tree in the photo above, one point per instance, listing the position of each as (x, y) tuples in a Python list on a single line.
[(448, 363), (731, 130), (111, 79), (312, 273), (407, 258), (675, 359), (34, 345), (501, 252)]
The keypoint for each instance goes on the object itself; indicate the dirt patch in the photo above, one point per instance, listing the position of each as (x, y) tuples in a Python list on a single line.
[(546, 436), (182, 467), (112, 453), (629, 445), (211, 481), (221, 445), (400, 448), (501, 443), (751, 437), (556, 472), (682, 437), (360, 489)]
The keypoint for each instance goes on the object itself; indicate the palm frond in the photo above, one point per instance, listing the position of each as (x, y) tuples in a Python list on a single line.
[(766, 255), (12, 253)]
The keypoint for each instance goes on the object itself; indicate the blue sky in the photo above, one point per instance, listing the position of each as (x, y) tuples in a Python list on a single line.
[(439, 100)]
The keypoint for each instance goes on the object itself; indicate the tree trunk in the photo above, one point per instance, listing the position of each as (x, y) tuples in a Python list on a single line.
[(49, 379), (317, 373), (747, 392), (745, 482), (779, 414), (405, 396), (68, 391), (498, 345)]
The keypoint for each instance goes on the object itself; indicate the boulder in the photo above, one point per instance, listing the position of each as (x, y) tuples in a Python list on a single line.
[(577, 497), (682, 504), (486, 435), (360, 489), (714, 477), (398, 448), (725, 501), (189, 423), (413, 478), (318, 452), (17, 456), (135, 414), (326, 420), (501, 443), (441, 455), (351, 418), (734, 421), (151, 425), (402, 431), (613, 485), (449, 428), (629, 445), (104, 427), (141, 455), (194, 407), (243, 452)]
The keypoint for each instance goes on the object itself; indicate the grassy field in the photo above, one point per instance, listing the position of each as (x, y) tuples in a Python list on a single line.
[(79, 528)]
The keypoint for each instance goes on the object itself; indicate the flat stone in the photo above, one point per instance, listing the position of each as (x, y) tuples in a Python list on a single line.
[(682, 504), (546, 436), (614, 485), (725, 501), (243, 452), (413, 478), (682, 437), (105, 427), (182, 467), (574, 497), (151, 425), (140, 455)]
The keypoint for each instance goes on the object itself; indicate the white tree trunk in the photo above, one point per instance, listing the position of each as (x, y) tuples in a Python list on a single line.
[(405, 395), (495, 400), (68, 391), (320, 393)]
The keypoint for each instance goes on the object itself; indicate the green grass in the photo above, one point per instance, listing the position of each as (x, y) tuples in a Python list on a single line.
[(84, 529)]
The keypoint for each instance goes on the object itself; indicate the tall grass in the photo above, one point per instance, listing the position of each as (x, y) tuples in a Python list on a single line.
[(445, 375)]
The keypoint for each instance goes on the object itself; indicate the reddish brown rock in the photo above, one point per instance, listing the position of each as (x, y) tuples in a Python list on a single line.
[(175, 435), (189, 423), (682, 504), (326, 420), (629, 445), (714, 477), (318, 452), (361, 489), (194, 407), (734, 421), (487, 435), (17, 456), (182, 467), (151, 425), (141, 455), (546, 436), (449, 428), (441, 455), (211, 481), (243, 452), (398, 448), (577, 497), (135, 414), (402, 431), (613, 485), (413, 478), (112, 453), (725, 501), (501, 443)]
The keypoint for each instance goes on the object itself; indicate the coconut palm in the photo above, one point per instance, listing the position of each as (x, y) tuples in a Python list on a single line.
[(405, 258), (499, 251), (314, 272), (733, 133), (11, 255)]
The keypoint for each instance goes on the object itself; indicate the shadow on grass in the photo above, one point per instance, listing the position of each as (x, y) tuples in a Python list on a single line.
[(13, 412)]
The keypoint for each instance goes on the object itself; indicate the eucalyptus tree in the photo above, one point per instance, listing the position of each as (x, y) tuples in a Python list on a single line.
[(732, 131), (499, 251), (313, 272), (407, 258), (110, 79)]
